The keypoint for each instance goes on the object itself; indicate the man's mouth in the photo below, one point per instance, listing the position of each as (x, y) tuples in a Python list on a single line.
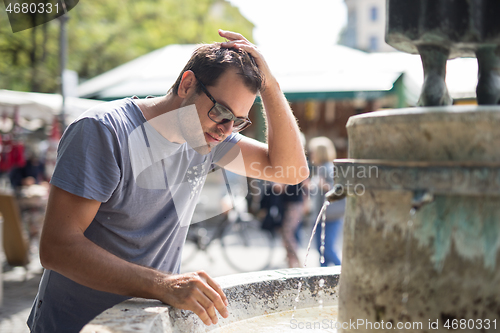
[(212, 138)]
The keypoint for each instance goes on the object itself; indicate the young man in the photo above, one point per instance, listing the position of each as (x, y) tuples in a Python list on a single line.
[(127, 179)]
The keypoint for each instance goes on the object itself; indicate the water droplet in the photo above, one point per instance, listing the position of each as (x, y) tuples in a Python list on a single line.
[(321, 282), (322, 260)]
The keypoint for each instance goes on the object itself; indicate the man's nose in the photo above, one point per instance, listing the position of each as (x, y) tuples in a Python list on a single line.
[(226, 128)]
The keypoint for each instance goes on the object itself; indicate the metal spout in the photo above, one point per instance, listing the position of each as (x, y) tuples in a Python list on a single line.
[(421, 198), (336, 193)]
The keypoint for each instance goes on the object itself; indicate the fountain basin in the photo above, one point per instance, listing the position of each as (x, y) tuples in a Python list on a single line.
[(249, 295)]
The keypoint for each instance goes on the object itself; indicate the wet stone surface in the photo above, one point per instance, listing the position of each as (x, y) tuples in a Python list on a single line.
[(249, 295)]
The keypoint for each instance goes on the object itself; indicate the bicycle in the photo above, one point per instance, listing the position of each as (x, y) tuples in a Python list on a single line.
[(245, 245)]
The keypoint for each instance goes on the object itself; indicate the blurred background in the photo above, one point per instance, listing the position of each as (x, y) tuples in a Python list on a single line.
[(329, 56)]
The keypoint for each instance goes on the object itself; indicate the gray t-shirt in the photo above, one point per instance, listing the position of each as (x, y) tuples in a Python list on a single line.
[(148, 187)]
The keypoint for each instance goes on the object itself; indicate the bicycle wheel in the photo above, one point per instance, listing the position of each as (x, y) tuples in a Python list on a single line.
[(246, 246)]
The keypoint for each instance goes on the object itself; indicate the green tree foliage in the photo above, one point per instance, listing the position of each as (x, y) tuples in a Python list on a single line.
[(103, 34)]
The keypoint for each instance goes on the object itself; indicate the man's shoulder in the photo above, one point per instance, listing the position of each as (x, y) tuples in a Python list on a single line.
[(114, 114), (109, 109)]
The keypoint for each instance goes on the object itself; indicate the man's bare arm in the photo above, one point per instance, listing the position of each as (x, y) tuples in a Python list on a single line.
[(65, 249), (282, 159)]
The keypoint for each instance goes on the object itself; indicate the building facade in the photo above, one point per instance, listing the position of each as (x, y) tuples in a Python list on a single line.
[(365, 28)]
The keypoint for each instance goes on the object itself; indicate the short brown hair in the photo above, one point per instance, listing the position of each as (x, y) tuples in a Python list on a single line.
[(209, 61)]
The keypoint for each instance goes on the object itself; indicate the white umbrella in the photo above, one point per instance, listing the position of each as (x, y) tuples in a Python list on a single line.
[(42, 107)]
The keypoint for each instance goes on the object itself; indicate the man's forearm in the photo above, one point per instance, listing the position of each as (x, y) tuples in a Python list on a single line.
[(84, 262), (90, 265), (285, 148)]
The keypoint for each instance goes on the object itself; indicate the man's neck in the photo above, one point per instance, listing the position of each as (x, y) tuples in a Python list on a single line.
[(160, 112)]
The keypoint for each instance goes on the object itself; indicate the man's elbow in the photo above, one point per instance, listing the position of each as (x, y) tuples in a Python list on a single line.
[(297, 177), (48, 255), (304, 177)]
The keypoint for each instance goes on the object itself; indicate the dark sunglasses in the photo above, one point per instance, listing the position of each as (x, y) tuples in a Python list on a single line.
[(222, 115)]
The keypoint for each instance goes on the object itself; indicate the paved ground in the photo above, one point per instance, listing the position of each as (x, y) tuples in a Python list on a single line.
[(20, 284), (19, 289)]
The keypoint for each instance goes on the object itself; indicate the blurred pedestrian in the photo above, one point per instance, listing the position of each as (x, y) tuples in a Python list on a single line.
[(293, 197), (31, 172), (293, 213), (272, 206), (322, 153)]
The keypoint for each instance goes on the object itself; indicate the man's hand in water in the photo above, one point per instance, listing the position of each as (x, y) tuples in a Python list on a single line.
[(197, 292)]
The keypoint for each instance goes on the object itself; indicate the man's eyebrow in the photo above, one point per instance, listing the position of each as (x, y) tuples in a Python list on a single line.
[(224, 104)]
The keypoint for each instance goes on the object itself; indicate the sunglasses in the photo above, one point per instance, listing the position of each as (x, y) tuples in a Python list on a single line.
[(221, 115)]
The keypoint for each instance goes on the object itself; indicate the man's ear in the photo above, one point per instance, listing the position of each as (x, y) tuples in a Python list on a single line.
[(188, 83)]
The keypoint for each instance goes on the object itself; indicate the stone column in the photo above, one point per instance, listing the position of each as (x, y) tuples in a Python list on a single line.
[(444, 267)]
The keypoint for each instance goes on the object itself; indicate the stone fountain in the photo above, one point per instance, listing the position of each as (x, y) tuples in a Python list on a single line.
[(422, 228), (438, 264)]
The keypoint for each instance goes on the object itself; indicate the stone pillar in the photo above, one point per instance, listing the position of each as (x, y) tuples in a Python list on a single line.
[(444, 266)]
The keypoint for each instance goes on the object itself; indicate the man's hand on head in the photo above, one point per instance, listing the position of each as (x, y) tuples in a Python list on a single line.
[(284, 150), (197, 292), (238, 41)]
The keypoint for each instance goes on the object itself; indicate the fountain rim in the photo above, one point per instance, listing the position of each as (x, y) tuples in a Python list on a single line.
[(148, 315), (404, 114), (416, 164), (440, 177)]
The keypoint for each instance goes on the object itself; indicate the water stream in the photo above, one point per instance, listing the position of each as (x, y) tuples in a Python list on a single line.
[(321, 283), (322, 217)]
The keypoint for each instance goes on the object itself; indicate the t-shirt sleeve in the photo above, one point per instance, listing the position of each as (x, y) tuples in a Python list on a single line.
[(224, 147), (87, 162)]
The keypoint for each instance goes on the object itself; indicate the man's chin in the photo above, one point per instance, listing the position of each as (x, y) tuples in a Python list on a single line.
[(205, 149)]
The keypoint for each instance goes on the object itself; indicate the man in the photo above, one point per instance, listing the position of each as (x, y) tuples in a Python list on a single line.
[(127, 180)]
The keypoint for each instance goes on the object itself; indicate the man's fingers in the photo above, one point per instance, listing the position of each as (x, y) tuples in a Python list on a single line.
[(201, 312), (235, 43), (254, 52), (214, 292), (215, 286), (231, 35), (240, 44), (199, 293), (208, 306)]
